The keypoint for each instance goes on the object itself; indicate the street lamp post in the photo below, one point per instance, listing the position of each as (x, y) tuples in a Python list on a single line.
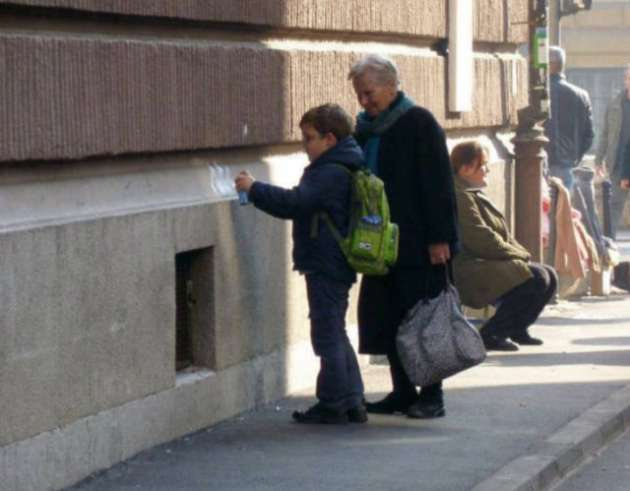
[(530, 140)]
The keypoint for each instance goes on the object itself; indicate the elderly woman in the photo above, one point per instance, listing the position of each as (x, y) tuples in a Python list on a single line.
[(406, 148), (492, 267)]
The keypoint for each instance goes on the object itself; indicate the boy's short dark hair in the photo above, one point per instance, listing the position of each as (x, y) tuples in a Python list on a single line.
[(329, 118)]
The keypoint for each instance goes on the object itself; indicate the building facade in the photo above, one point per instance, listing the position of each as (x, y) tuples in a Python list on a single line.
[(140, 302)]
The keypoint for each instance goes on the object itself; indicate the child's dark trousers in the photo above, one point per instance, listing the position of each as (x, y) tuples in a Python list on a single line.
[(339, 384)]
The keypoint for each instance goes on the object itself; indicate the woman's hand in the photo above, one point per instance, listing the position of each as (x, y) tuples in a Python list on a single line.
[(244, 181), (624, 184), (439, 253)]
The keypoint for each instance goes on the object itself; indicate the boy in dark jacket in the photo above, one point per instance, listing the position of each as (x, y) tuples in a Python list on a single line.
[(325, 186)]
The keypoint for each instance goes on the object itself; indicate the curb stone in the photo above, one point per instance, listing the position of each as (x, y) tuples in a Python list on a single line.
[(565, 450)]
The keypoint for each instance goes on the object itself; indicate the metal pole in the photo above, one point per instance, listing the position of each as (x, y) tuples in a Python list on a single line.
[(554, 23), (530, 140)]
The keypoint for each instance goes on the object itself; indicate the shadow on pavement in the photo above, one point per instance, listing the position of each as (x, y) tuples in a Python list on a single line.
[(606, 358), (616, 341), (485, 428), (572, 322)]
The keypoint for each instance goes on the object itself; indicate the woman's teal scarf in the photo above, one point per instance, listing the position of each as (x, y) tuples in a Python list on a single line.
[(370, 129)]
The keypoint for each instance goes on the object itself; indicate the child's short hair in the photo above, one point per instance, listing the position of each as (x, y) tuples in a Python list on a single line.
[(329, 118)]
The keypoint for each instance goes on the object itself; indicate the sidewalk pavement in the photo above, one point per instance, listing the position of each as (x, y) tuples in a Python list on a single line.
[(518, 421)]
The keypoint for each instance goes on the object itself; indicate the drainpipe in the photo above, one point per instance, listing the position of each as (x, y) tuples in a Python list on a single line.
[(554, 23), (530, 140), (461, 68)]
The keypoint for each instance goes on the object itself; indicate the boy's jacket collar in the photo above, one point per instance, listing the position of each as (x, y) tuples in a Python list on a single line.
[(347, 152)]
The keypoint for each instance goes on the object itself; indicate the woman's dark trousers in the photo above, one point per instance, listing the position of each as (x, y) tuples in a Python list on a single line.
[(520, 307), (339, 384)]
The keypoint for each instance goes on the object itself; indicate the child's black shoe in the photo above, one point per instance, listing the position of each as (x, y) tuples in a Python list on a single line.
[(358, 414), (319, 414)]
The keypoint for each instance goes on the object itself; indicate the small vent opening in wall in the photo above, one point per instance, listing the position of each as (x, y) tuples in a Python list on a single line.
[(194, 292)]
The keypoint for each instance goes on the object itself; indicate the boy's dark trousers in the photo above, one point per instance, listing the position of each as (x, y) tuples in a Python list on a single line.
[(339, 384)]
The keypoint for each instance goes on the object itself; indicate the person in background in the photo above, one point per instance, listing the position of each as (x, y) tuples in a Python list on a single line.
[(405, 146), (492, 268), (625, 171), (611, 151), (570, 127), (324, 187)]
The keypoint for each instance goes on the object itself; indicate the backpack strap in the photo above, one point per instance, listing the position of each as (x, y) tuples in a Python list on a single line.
[(323, 215), (315, 226)]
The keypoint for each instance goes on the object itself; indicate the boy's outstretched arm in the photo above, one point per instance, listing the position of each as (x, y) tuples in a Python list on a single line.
[(280, 202)]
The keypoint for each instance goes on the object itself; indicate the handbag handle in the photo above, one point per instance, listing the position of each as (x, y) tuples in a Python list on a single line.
[(448, 278)]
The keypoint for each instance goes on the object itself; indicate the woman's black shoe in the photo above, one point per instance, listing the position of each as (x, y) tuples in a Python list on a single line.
[(392, 403), (526, 340), (493, 343), (319, 414), (426, 410)]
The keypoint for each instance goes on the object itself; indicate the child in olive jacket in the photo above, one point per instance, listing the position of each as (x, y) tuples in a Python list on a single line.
[(325, 186)]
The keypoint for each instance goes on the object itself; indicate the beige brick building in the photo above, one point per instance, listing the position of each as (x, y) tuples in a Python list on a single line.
[(139, 302)]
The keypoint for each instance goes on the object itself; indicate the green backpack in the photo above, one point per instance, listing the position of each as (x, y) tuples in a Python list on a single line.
[(371, 245)]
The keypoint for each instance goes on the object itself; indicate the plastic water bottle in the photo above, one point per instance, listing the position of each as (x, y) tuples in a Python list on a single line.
[(242, 198)]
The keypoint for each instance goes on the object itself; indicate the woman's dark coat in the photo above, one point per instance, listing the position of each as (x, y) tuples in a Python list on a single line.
[(413, 162)]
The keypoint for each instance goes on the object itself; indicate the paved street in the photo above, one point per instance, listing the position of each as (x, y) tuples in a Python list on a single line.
[(497, 412), (609, 471)]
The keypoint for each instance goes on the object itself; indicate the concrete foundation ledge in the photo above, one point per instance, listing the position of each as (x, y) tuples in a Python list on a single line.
[(56, 459), (566, 449)]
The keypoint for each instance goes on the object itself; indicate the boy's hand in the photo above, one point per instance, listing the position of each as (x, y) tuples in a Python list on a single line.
[(625, 184), (243, 181)]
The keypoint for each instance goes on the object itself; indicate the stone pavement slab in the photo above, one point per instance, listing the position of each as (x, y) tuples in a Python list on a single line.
[(508, 425)]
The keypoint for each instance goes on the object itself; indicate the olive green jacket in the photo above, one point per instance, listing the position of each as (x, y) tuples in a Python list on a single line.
[(491, 261), (606, 153)]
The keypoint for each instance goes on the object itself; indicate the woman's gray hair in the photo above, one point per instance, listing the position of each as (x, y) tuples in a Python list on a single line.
[(384, 70)]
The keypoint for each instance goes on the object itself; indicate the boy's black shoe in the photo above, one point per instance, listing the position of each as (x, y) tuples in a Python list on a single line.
[(358, 414), (526, 340), (426, 410), (492, 343), (319, 414), (392, 403)]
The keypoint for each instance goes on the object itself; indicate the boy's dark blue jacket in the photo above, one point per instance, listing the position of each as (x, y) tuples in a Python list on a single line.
[(322, 187)]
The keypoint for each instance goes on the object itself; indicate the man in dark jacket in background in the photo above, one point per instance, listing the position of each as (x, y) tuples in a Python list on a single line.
[(570, 127), (325, 186)]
